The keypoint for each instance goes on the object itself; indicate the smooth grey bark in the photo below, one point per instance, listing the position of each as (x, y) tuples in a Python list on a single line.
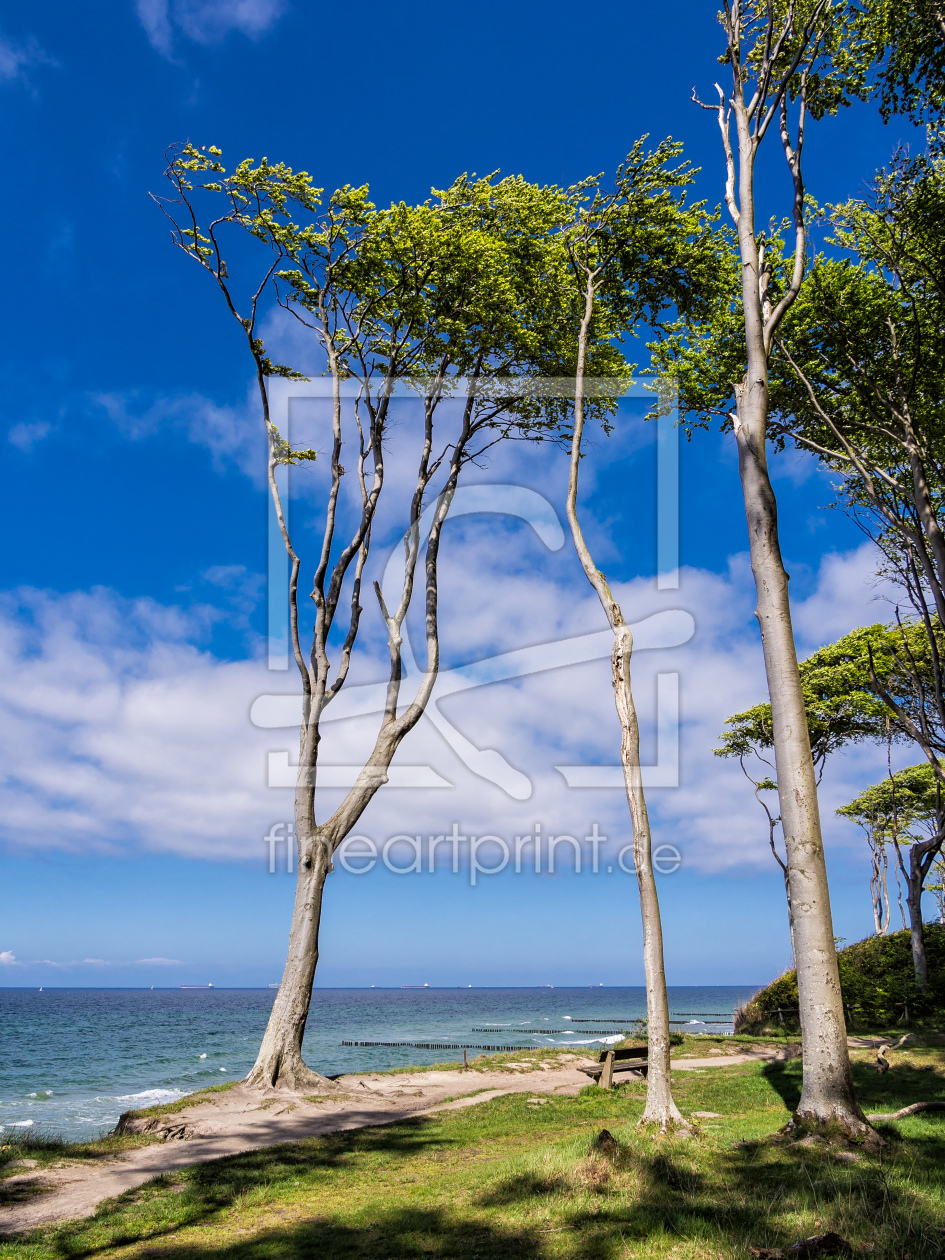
[(879, 886), (827, 1094), (660, 1108), (922, 855), (279, 1062)]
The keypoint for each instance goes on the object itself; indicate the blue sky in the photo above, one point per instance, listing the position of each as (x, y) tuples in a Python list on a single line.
[(135, 795)]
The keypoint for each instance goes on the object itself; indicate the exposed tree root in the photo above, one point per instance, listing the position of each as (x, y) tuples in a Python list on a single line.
[(290, 1073), (879, 1117)]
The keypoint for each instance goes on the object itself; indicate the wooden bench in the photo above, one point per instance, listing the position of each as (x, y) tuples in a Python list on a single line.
[(630, 1059)]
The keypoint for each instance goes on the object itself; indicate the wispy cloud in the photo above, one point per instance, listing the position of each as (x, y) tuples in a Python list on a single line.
[(8, 959), (19, 56), (233, 435), (26, 436), (118, 734), (205, 21)]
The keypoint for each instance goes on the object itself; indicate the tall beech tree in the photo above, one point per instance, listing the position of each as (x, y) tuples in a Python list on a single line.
[(788, 62), (453, 293), (632, 251)]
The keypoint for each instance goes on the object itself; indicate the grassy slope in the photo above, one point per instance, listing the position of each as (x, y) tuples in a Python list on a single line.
[(878, 984), (511, 1178)]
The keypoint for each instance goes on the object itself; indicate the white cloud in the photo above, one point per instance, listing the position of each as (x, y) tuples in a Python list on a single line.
[(117, 732), (205, 21), (7, 958), (25, 436), (847, 594), (17, 56)]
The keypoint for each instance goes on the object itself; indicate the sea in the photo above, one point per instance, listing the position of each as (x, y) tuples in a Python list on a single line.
[(71, 1060)]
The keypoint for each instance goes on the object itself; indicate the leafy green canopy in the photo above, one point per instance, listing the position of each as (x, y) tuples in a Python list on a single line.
[(475, 282), (646, 251), (909, 46), (844, 688), (887, 810), (858, 371)]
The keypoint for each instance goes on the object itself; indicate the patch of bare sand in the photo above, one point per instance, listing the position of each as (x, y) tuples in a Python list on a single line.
[(242, 1119)]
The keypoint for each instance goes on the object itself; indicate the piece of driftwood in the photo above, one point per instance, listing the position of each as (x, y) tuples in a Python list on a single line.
[(878, 1117), (818, 1245)]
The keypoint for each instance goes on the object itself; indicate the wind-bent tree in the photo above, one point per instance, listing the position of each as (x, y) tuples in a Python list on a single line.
[(788, 62), (879, 830), (837, 715), (906, 810), (632, 251), (450, 292), (876, 684)]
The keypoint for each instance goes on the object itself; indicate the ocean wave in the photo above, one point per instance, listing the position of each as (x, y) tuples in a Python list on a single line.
[(145, 1096), (590, 1041)]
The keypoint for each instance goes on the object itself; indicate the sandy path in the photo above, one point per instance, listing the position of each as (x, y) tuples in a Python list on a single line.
[(243, 1120)]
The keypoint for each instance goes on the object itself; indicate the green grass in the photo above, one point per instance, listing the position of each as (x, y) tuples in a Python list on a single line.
[(180, 1104), (508, 1178), (45, 1149), (503, 1061)]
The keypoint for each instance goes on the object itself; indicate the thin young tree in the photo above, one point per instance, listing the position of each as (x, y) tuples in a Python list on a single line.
[(443, 293), (906, 811), (633, 251), (788, 62)]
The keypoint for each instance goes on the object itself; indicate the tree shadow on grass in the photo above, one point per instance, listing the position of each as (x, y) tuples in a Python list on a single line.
[(889, 1091), (785, 1079), (148, 1213), (902, 1085), (752, 1194), (403, 1234)]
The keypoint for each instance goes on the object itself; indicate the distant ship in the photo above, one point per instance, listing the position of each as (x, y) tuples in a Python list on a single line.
[(272, 986), (196, 986), (415, 986)]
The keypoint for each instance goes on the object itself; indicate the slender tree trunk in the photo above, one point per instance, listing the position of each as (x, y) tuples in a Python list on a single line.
[(879, 887), (827, 1093), (279, 1062), (916, 932), (660, 1108), (921, 856)]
